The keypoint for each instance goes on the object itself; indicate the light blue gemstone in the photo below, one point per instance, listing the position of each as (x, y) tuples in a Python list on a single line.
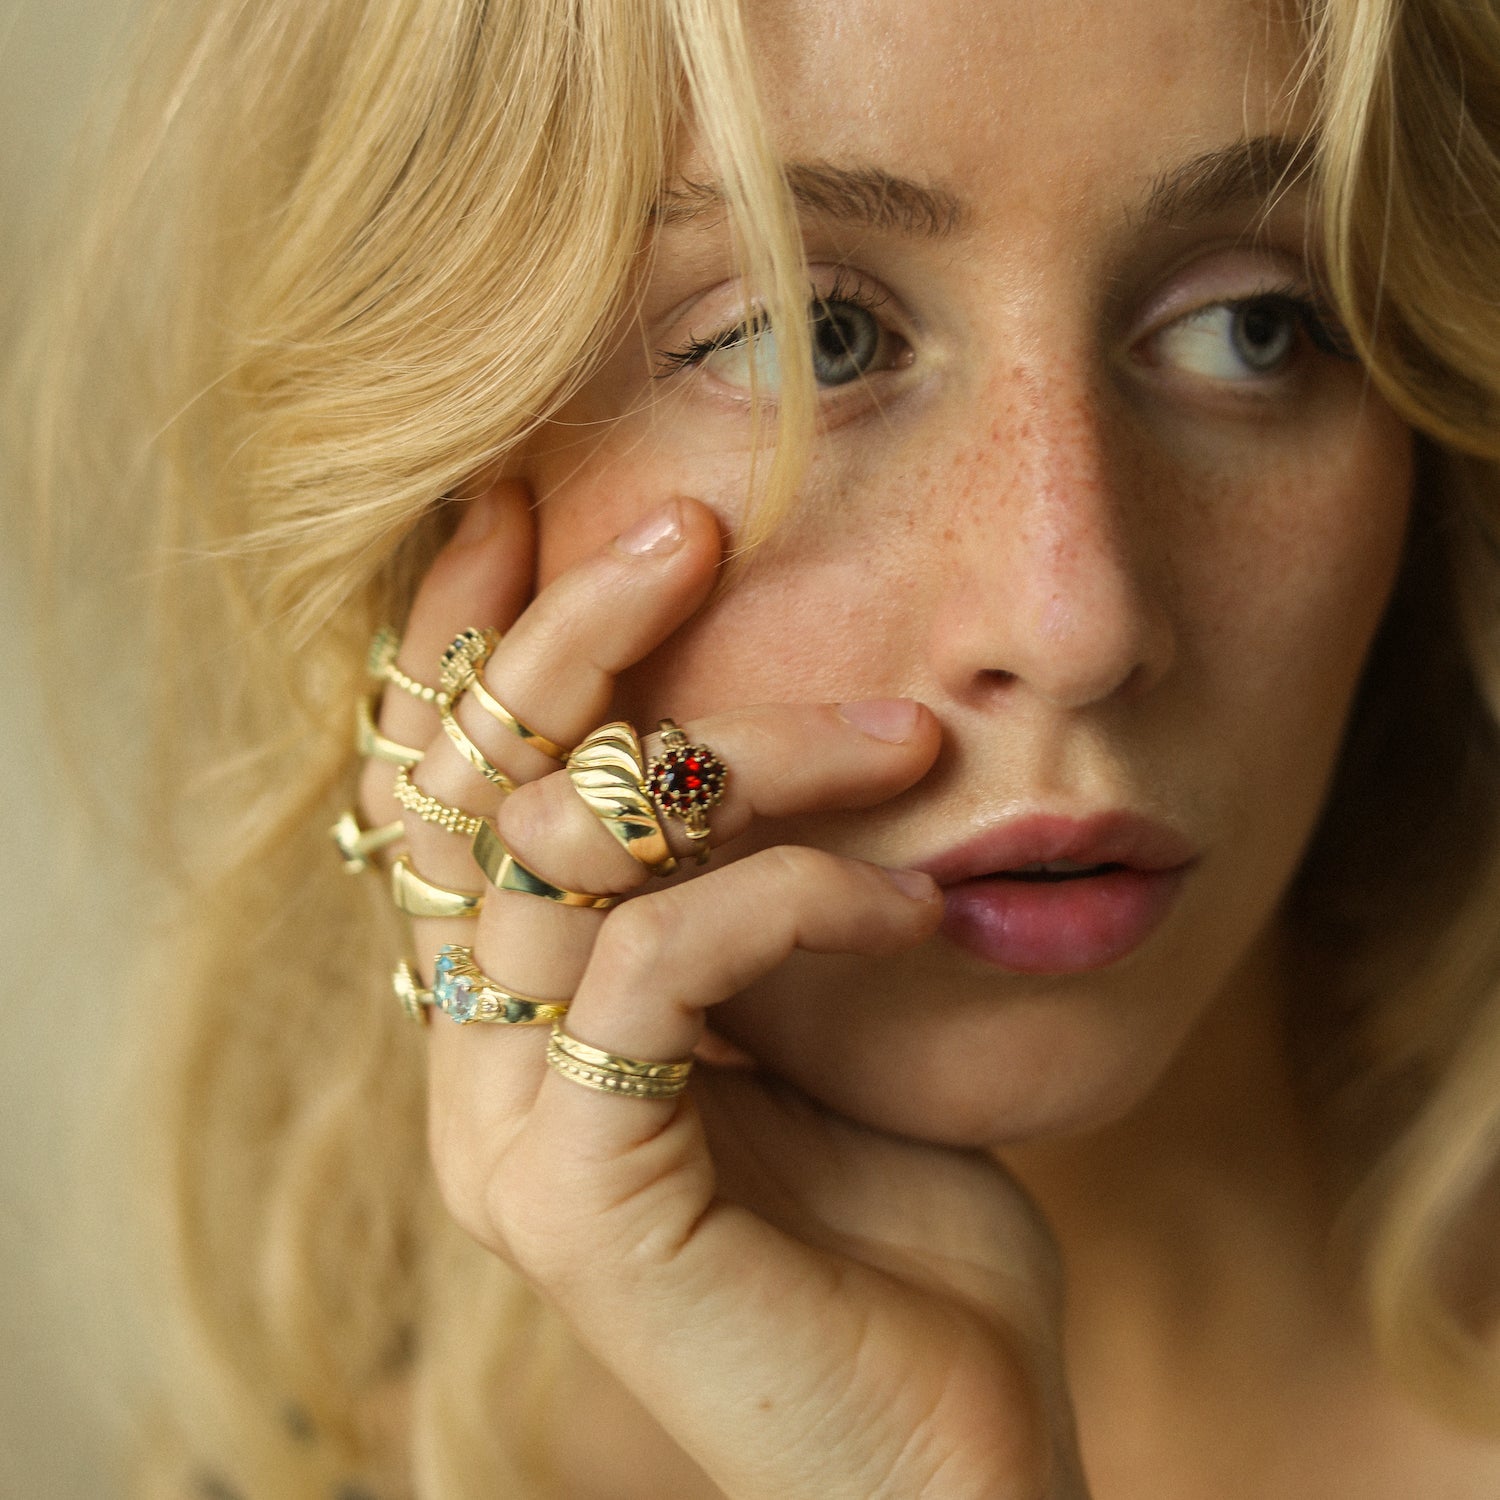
[(459, 1002)]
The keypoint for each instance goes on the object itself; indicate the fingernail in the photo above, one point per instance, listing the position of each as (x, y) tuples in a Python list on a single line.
[(659, 533), (913, 883), (888, 719), (477, 521)]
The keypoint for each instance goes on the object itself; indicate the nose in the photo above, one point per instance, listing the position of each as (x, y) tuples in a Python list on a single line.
[(1054, 558)]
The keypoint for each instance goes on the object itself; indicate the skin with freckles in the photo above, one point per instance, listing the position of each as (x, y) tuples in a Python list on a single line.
[(1096, 485)]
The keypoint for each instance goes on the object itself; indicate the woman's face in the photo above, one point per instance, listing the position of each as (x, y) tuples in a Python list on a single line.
[(1094, 484)]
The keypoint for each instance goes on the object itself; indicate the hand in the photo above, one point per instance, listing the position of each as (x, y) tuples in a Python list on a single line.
[(809, 1308)]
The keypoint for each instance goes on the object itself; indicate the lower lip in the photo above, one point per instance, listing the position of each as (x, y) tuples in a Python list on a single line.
[(1059, 927)]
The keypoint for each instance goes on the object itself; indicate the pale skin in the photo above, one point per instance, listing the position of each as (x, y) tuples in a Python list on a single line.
[(1070, 543)]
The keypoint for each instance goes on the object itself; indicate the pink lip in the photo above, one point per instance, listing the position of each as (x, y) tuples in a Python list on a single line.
[(1066, 926)]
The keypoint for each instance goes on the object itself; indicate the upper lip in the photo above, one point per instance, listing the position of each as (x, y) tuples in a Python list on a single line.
[(1114, 837)]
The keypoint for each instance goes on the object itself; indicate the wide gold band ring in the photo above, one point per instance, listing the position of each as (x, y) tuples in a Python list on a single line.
[(466, 994), (608, 770), (462, 673), (371, 744), (612, 1074), (419, 897), (380, 663), (506, 873), (356, 844)]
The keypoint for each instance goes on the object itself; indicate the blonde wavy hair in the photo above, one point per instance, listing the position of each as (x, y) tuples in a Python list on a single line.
[(345, 257)]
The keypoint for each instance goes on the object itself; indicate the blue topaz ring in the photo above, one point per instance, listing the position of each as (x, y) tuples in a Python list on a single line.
[(684, 781), (465, 994)]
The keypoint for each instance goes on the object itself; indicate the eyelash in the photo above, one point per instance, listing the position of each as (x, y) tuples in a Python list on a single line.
[(695, 351), (1316, 320)]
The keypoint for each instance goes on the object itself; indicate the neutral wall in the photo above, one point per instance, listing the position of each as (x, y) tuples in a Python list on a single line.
[(64, 910)]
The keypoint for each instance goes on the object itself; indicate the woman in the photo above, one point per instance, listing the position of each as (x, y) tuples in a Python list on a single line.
[(1083, 570)]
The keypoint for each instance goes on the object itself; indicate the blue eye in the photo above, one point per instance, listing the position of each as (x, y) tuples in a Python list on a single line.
[(1247, 340), (848, 341)]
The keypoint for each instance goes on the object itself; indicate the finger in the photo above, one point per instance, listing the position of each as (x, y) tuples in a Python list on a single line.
[(662, 960), (480, 576), (783, 759), (554, 670)]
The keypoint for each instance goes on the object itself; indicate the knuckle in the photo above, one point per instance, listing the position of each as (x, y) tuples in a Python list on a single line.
[(796, 864), (636, 937), (530, 818)]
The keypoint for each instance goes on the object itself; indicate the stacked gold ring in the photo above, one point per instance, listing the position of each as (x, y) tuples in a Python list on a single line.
[(608, 770), (380, 663), (506, 873), (463, 992), (462, 673), (612, 1074), (430, 809), (418, 897)]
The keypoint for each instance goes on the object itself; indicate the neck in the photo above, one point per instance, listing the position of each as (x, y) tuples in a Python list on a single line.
[(1192, 1232)]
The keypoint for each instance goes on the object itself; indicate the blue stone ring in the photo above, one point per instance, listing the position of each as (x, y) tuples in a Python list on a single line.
[(465, 994)]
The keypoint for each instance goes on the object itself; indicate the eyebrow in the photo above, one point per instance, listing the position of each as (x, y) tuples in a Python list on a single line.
[(1255, 169)]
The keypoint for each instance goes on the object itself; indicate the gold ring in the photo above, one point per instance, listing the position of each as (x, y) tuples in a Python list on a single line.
[(461, 990), (685, 781), (357, 844), (370, 743), (612, 1074), (608, 770), (429, 809), (416, 1001), (471, 752), (506, 873), (419, 897), (462, 663), (380, 663)]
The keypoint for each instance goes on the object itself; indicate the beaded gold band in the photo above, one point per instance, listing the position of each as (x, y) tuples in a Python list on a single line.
[(380, 662), (506, 873), (416, 1002), (429, 809), (608, 770), (462, 673), (370, 743), (419, 897), (357, 844), (612, 1074), (466, 994)]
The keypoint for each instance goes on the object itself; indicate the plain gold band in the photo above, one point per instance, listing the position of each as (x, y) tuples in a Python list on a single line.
[(419, 897), (502, 715), (506, 873)]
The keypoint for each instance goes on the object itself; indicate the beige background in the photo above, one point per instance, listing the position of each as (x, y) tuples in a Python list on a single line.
[(64, 913)]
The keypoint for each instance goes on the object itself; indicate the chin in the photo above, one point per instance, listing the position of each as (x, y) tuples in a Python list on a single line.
[(997, 1077)]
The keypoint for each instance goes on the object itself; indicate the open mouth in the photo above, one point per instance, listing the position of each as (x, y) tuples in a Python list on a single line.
[(1056, 870)]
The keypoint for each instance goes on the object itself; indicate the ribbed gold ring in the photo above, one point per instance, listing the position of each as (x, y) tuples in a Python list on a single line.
[(608, 770), (506, 873)]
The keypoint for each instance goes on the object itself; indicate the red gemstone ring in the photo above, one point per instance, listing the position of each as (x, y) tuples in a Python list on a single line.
[(684, 781)]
